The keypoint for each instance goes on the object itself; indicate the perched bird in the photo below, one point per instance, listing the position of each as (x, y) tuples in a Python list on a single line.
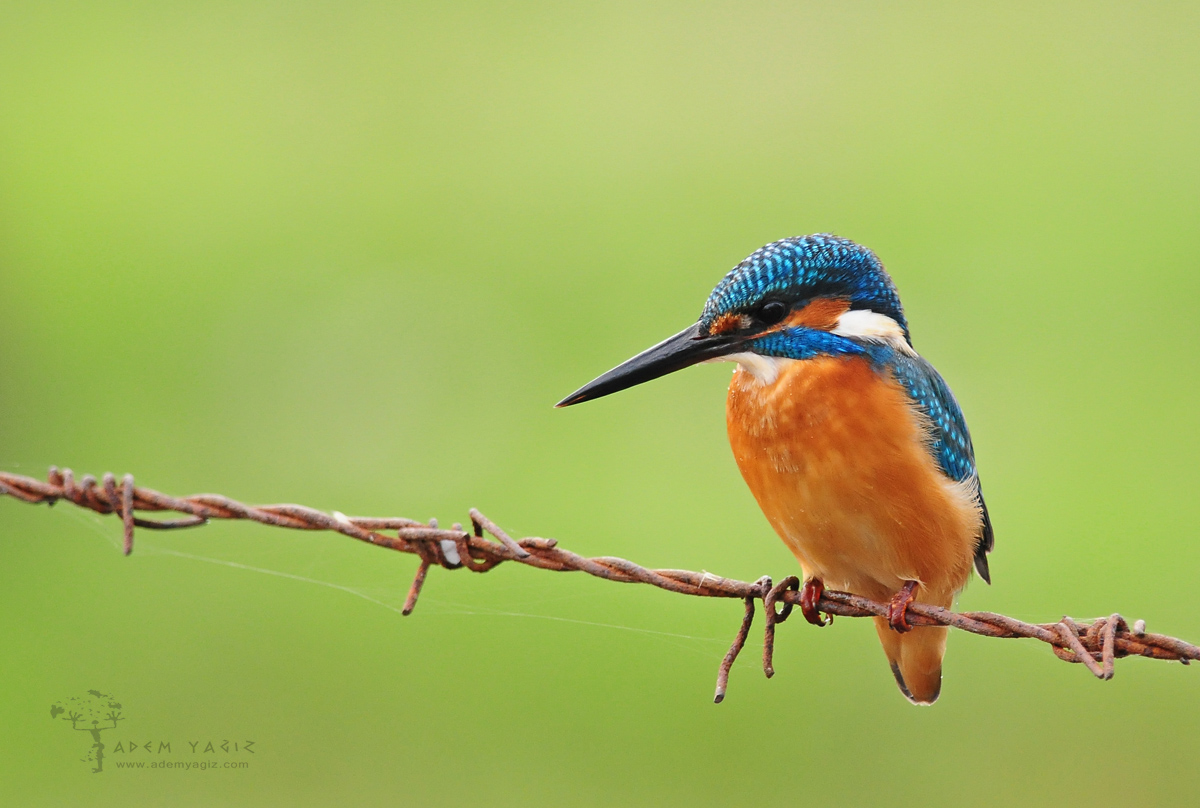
[(851, 443)]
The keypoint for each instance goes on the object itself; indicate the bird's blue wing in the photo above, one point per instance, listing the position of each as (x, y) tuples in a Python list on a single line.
[(951, 441), (951, 445)]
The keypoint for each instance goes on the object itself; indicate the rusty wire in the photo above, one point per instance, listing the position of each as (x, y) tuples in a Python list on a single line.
[(1095, 643)]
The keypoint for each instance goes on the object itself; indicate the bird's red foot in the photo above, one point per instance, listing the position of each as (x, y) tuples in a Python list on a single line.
[(898, 608), (810, 598)]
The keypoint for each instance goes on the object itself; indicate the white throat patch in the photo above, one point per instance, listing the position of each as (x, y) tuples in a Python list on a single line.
[(765, 369)]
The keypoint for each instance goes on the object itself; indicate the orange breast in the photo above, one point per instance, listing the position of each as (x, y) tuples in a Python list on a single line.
[(836, 456)]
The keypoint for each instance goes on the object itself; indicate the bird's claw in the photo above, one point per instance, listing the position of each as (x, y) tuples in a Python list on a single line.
[(897, 616), (810, 598)]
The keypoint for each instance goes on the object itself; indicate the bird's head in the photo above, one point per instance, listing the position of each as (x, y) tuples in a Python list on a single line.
[(795, 298)]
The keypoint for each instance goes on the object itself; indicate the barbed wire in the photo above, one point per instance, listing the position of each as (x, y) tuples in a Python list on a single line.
[(1095, 643)]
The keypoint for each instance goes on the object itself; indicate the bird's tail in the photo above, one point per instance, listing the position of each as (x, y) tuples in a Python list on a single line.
[(916, 659)]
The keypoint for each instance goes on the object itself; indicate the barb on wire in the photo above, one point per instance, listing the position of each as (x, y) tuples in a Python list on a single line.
[(1095, 644)]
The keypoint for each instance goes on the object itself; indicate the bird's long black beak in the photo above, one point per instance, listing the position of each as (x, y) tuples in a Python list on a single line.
[(685, 349)]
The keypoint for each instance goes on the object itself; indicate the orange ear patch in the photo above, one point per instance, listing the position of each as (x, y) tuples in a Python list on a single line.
[(822, 313), (728, 322)]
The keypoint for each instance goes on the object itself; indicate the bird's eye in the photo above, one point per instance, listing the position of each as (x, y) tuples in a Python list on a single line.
[(772, 311)]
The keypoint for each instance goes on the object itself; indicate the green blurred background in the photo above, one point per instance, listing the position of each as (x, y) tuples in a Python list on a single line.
[(349, 254)]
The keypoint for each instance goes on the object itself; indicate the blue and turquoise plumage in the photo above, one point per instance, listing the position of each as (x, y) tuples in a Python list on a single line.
[(809, 266)]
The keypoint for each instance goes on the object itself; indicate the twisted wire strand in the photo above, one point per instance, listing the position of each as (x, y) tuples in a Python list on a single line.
[(1096, 643)]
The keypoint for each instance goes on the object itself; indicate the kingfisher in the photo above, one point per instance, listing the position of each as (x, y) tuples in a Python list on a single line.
[(851, 443)]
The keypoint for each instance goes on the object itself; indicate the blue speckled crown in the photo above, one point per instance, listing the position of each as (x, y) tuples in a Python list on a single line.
[(805, 267)]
